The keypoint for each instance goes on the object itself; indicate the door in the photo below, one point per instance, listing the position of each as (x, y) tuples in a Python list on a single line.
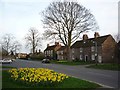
[(86, 57)]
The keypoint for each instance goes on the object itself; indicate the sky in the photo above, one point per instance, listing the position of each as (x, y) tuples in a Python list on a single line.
[(17, 16)]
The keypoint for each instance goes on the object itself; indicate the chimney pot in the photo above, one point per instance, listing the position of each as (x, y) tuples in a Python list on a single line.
[(96, 35), (47, 45), (85, 36), (56, 43)]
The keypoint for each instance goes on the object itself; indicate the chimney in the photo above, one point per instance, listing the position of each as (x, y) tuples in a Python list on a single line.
[(96, 35), (85, 36), (56, 43), (47, 45)]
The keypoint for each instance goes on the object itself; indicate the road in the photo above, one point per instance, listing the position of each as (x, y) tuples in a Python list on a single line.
[(106, 78)]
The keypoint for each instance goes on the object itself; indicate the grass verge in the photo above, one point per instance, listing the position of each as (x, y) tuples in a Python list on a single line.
[(110, 66), (7, 67), (68, 83), (63, 62)]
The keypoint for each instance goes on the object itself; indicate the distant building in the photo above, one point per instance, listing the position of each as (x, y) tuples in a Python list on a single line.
[(3, 53), (100, 48), (62, 53), (22, 55), (51, 51)]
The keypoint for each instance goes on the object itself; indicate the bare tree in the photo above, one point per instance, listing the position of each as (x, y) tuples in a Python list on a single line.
[(33, 39), (16, 46), (10, 44), (7, 42), (67, 20)]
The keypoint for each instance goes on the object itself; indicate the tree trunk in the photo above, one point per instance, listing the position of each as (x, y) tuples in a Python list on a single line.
[(69, 44), (33, 44)]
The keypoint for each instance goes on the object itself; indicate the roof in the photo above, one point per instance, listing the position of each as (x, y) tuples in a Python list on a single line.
[(62, 48), (50, 47), (23, 53), (90, 42)]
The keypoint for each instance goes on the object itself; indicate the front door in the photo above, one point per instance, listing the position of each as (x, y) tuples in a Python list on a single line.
[(86, 57)]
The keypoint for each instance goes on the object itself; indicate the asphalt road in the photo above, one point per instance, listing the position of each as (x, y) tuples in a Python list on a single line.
[(106, 78)]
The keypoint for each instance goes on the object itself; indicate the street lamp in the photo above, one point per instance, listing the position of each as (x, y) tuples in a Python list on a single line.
[(96, 54)]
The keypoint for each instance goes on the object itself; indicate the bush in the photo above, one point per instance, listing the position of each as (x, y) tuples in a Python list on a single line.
[(37, 57)]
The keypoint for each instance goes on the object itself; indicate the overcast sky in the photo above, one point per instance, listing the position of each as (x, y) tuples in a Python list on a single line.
[(17, 16)]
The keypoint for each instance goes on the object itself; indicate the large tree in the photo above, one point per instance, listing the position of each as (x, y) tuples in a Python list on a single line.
[(33, 39), (10, 44), (66, 21), (7, 41), (16, 46)]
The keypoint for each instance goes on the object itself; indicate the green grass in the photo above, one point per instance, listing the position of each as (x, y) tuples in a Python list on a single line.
[(68, 83), (7, 67), (106, 66), (63, 62)]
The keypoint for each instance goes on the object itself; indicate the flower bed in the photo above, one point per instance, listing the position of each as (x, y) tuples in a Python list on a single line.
[(37, 76)]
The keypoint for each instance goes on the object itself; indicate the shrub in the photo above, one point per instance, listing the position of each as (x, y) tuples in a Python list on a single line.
[(37, 57)]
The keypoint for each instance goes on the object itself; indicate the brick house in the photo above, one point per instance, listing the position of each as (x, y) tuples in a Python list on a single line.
[(51, 51), (100, 48), (62, 53), (22, 55)]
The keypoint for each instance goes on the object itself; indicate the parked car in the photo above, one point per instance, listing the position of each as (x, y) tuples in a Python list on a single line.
[(45, 61), (13, 60), (4, 61)]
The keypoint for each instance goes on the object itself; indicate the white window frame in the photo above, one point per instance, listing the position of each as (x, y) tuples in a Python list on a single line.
[(99, 58), (73, 50), (81, 58), (93, 57), (47, 52), (81, 49), (73, 57), (61, 52), (93, 48), (62, 57), (58, 52)]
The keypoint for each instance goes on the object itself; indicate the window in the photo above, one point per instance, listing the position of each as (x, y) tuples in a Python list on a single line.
[(99, 58), (57, 52), (47, 52), (62, 57), (51, 51), (93, 57), (92, 48), (81, 49), (80, 57), (73, 50), (73, 57), (61, 52)]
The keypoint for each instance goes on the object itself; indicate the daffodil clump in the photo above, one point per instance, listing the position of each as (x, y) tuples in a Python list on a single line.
[(37, 76)]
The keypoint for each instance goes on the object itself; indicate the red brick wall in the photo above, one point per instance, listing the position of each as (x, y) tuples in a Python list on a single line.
[(108, 50)]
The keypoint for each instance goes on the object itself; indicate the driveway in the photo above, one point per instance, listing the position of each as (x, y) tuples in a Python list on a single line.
[(106, 78)]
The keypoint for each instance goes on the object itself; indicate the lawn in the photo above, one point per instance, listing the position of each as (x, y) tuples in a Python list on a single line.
[(63, 62), (71, 82), (106, 66), (7, 67)]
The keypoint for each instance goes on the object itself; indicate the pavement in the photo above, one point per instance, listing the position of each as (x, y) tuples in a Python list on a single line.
[(106, 78)]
